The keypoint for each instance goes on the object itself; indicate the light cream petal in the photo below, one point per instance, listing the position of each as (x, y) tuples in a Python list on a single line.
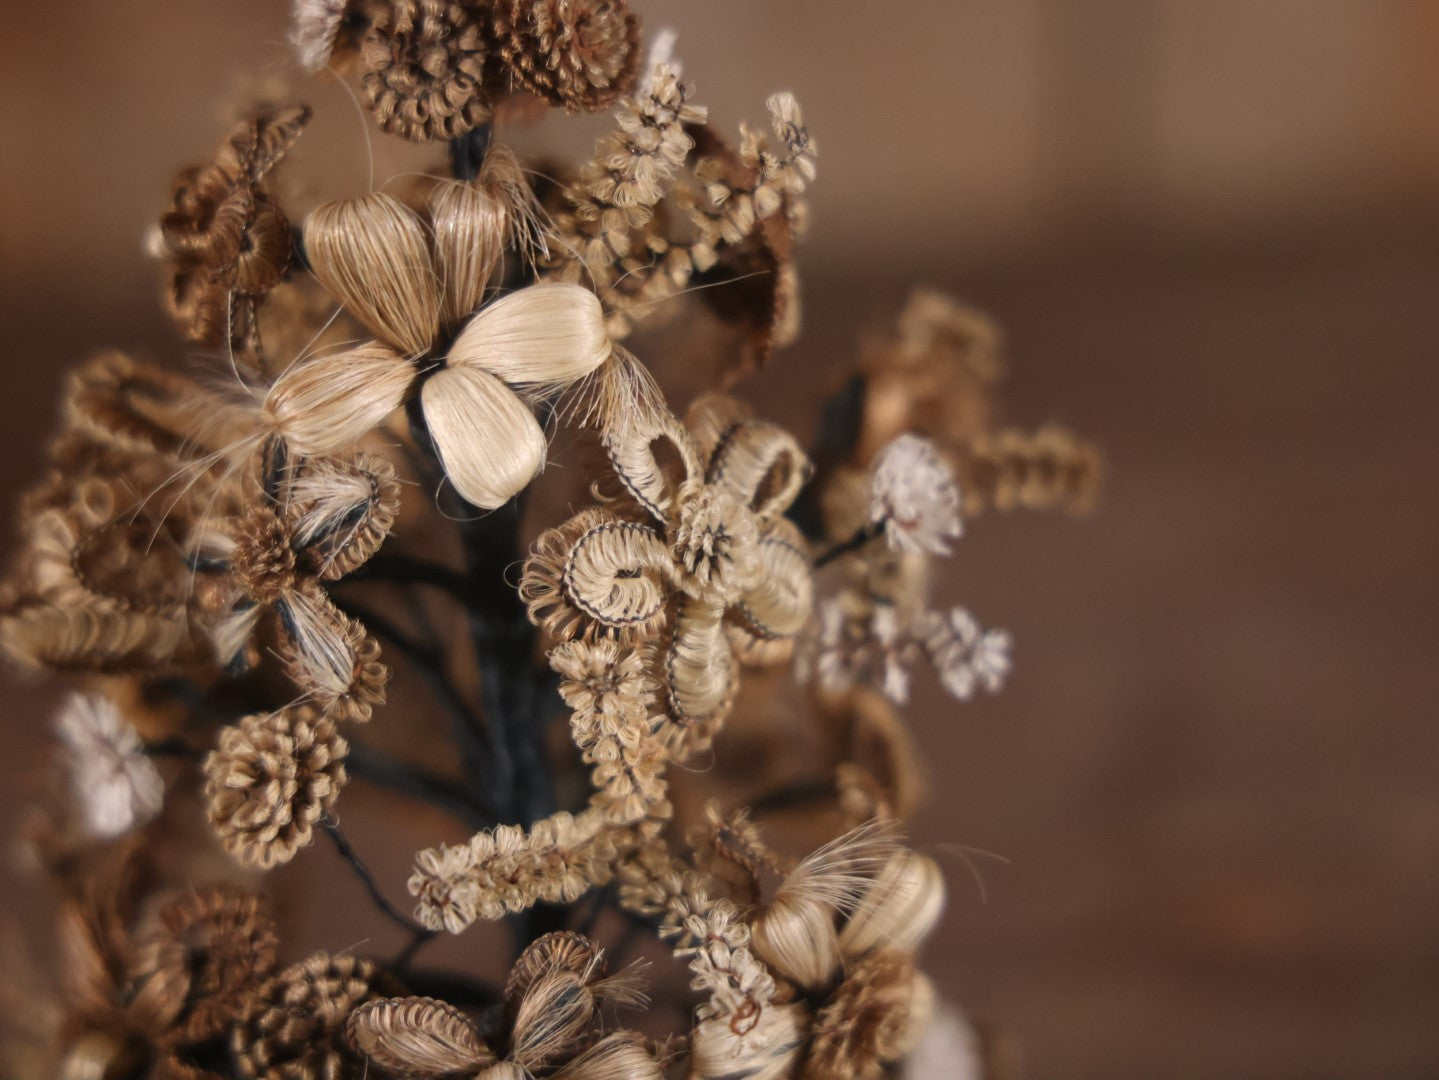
[(324, 405), (373, 255), (488, 440), (469, 229), (546, 336), (762, 464)]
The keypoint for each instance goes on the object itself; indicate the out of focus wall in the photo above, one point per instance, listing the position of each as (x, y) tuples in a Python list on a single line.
[(981, 129)]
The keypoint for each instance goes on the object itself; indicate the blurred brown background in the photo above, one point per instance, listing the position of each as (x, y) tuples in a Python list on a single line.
[(1210, 229)]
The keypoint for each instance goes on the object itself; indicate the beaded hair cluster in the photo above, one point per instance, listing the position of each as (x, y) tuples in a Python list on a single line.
[(325, 565)]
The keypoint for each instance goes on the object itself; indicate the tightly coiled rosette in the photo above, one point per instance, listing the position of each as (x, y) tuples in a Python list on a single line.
[(424, 68), (698, 557)]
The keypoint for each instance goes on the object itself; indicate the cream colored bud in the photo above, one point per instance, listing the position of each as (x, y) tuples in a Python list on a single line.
[(899, 909)]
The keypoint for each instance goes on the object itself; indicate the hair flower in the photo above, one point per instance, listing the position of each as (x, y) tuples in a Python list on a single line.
[(422, 297), (716, 566)]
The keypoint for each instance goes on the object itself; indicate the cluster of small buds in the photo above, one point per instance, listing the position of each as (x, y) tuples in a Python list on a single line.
[(874, 647)]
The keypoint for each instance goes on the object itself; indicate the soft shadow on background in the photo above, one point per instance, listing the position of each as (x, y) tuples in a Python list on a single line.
[(1209, 228)]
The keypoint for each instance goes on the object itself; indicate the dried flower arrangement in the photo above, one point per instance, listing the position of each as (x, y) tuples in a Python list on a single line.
[(231, 566)]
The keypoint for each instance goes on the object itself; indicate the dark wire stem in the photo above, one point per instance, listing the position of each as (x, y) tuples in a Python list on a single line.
[(366, 763), (406, 955), (854, 543), (801, 793), (398, 569), (470, 732), (174, 746), (467, 152), (504, 642), (342, 845), (603, 898)]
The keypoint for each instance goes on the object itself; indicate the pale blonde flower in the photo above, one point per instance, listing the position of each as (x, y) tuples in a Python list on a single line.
[(966, 656), (115, 784), (314, 26), (914, 496)]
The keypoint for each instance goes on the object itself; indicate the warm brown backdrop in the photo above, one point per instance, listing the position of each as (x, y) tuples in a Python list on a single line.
[(1210, 229)]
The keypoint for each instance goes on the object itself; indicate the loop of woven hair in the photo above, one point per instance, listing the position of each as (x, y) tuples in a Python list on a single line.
[(597, 575), (629, 442), (416, 1035), (900, 907), (699, 666), (767, 1044), (762, 464), (615, 574), (424, 69), (559, 950), (322, 647), (340, 511), (770, 615), (341, 698)]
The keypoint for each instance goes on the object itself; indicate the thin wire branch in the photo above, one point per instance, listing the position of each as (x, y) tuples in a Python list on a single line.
[(799, 793), (854, 543), (399, 569), (367, 763), (471, 733), (342, 845)]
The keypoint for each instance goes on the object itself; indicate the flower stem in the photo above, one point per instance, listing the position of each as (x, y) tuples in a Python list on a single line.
[(342, 845), (865, 534)]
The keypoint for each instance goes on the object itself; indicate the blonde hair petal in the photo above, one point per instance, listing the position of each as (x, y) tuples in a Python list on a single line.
[(372, 254), (324, 405), (489, 442), (546, 336)]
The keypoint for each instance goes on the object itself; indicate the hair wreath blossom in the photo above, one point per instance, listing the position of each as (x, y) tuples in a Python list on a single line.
[(716, 566), (914, 497), (421, 291)]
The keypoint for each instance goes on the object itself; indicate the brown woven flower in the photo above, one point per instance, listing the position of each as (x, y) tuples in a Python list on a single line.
[(871, 1020), (263, 560), (295, 1024), (221, 941), (226, 241), (582, 54), (424, 67), (270, 780)]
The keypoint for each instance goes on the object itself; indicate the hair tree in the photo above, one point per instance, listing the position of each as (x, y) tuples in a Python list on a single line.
[(320, 569)]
